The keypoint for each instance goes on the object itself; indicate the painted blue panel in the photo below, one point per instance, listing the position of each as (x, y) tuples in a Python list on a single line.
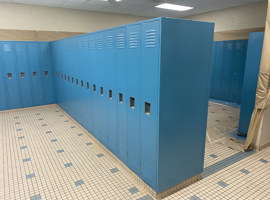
[(36, 73), (253, 60), (46, 69), (3, 98), (149, 94), (184, 88), (9, 63), (133, 91), (24, 73), (228, 64), (110, 69), (122, 107)]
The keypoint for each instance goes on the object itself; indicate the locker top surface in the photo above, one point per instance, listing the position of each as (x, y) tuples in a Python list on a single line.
[(130, 24)]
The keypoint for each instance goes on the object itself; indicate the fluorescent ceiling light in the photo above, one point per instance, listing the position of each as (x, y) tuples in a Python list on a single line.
[(174, 7)]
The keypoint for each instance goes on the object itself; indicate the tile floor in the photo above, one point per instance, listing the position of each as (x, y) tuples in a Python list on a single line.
[(45, 155)]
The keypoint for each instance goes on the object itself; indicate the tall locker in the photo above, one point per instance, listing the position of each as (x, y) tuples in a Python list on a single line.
[(47, 72), (11, 75), (93, 82), (133, 95), (150, 34), (36, 73), (3, 97), (121, 92), (110, 69)]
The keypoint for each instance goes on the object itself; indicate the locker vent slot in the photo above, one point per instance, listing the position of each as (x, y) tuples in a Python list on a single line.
[(72, 80), (148, 172), (56, 74), (85, 43), (35, 74), (109, 42), (99, 43), (120, 41), (70, 44), (133, 160), (123, 150), (79, 43), (150, 39), (110, 94), (77, 82), (46, 73), (62, 76), (92, 43), (94, 88), (147, 108), (68, 79), (133, 40), (87, 84), (120, 98), (73, 44), (82, 84), (101, 91), (132, 102), (65, 77), (22, 75), (9, 75)]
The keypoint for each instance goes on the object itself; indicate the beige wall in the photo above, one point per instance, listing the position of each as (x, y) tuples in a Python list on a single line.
[(26, 17), (44, 23), (242, 17)]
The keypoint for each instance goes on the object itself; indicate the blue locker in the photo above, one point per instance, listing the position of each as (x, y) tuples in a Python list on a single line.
[(47, 71), (149, 95), (121, 92), (23, 72), (3, 97), (10, 75), (255, 44), (92, 66), (110, 69), (36, 73), (133, 95)]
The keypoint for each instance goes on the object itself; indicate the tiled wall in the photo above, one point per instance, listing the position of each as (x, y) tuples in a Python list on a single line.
[(25, 74)]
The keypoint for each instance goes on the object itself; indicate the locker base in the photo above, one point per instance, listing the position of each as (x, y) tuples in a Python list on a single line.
[(139, 181), (178, 187)]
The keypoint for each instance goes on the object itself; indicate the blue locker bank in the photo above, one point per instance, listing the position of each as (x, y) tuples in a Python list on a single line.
[(142, 90), (255, 45)]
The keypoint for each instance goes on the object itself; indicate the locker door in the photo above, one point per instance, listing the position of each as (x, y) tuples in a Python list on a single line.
[(121, 96), (133, 96), (35, 73), (47, 71), (23, 73), (3, 98), (149, 98), (110, 85), (92, 65), (101, 89), (10, 75)]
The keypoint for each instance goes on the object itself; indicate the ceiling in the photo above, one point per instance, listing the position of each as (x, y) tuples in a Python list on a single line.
[(144, 8)]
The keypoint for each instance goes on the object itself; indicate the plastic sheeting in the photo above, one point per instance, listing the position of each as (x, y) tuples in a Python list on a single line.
[(263, 87)]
